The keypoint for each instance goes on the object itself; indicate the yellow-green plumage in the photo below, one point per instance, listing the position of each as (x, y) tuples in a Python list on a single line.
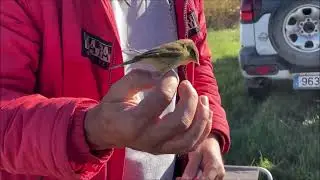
[(168, 56)]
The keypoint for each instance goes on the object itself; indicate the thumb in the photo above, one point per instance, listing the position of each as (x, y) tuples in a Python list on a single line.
[(130, 84)]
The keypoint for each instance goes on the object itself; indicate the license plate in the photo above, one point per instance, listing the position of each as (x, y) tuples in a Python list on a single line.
[(306, 81)]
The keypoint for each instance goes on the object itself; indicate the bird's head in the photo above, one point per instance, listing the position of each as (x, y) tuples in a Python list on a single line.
[(193, 51)]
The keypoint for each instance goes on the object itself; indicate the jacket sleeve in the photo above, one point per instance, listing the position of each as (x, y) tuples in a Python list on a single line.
[(38, 135), (206, 84)]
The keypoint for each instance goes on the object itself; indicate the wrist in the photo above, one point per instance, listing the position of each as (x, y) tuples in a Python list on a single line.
[(218, 136), (80, 155), (92, 132), (214, 137)]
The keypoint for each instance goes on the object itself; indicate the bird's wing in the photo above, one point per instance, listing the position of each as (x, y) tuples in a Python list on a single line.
[(160, 54), (167, 50)]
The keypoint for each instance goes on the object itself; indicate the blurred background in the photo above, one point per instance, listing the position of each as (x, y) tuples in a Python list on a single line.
[(281, 132), (222, 14)]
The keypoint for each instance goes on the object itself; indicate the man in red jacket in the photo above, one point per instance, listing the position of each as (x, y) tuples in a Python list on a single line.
[(66, 115)]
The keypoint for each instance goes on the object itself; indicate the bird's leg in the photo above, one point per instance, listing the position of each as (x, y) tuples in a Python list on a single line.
[(136, 51), (126, 1), (131, 52)]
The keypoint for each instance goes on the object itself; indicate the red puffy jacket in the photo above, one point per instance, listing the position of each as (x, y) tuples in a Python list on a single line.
[(50, 75)]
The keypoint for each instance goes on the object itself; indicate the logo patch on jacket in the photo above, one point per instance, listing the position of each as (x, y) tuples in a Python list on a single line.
[(193, 25), (96, 49)]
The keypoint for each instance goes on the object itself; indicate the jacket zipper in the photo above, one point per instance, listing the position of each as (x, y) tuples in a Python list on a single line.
[(185, 18)]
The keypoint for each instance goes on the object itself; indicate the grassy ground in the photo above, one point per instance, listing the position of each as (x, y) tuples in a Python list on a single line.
[(280, 133)]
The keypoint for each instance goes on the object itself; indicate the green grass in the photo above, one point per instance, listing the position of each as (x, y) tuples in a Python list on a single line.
[(224, 43), (280, 133)]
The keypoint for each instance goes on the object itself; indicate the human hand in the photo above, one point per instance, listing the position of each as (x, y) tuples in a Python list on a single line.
[(205, 163), (121, 120)]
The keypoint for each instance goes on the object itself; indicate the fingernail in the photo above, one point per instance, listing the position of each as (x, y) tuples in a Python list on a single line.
[(187, 83), (205, 100), (184, 90)]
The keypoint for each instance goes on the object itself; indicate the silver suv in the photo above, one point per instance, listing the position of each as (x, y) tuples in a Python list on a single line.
[(280, 39)]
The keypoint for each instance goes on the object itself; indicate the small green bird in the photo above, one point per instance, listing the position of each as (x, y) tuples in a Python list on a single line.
[(167, 56)]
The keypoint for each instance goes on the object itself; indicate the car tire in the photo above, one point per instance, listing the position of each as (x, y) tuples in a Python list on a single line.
[(295, 48), (258, 88)]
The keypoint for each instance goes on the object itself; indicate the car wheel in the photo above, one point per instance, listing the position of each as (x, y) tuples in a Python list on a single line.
[(295, 32), (258, 88)]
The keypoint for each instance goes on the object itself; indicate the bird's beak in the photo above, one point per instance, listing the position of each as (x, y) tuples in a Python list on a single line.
[(197, 62), (198, 59)]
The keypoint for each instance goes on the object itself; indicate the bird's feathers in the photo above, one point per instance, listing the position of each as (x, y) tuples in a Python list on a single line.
[(165, 56)]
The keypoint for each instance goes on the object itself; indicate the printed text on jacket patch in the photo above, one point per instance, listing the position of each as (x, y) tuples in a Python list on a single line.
[(193, 25), (96, 49)]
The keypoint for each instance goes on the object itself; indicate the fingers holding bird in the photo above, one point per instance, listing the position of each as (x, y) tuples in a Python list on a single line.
[(187, 132), (183, 129)]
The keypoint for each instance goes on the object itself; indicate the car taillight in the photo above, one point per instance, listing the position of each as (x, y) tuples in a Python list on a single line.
[(248, 10), (261, 70)]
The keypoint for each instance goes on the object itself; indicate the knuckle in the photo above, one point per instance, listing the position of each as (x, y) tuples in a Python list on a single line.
[(222, 172), (184, 122), (220, 169), (167, 94)]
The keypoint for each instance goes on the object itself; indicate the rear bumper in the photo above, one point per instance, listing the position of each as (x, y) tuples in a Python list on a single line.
[(249, 57)]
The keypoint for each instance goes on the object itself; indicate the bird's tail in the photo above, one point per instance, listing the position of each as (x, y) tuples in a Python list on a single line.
[(115, 66), (134, 60)]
